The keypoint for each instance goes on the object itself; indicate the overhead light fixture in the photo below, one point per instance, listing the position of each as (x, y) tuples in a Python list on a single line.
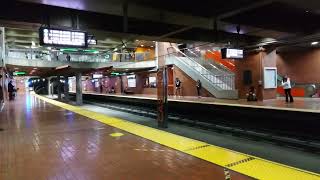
[(314, 43), (141, 45), (62, 67), (35, 68), (154, 41), (151, 46), (137, 40)]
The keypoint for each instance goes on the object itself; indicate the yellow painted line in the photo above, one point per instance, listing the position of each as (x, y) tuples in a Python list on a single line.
[(257, 168), (116, 134)]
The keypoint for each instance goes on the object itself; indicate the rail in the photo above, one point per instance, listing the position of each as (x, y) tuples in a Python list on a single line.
[(222, 81), (213, 65), (94, 57)]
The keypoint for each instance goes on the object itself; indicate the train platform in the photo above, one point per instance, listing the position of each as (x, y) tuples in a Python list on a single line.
[(45, 139), (300, 105)]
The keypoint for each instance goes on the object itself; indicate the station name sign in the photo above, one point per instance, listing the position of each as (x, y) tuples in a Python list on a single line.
[(63, 38)]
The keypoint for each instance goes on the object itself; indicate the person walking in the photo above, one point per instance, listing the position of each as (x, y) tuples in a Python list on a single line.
[(286, 84), (199, 86)]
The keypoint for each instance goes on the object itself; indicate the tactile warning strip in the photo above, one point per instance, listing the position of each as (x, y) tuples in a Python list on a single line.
[(249, 165)]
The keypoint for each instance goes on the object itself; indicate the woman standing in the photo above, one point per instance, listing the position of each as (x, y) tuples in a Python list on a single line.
[(286, 84)]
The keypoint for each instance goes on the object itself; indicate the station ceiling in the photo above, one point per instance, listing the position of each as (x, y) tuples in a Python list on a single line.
[(168, 20)]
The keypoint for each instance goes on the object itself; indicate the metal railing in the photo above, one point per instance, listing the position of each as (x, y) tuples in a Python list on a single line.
[(222, 81), (211, 65), (100, 58)]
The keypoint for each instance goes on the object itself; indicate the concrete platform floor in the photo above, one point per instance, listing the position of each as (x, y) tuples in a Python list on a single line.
[(300, 104), (42, 141)]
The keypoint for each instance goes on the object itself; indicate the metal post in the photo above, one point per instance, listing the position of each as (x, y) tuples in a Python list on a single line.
[(162, 79), (66, 88), (49, 86), (125, 16), (78, 89), (59, 88)]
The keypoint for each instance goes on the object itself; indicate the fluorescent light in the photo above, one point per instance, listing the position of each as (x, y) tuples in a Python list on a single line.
[(315, 43), (62, 67), (151, 46), (141, 45)]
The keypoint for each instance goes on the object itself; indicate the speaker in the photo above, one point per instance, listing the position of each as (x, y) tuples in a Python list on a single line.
[(247, 77)]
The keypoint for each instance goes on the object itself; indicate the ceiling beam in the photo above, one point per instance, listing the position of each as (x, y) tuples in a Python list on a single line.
[(244, 9)]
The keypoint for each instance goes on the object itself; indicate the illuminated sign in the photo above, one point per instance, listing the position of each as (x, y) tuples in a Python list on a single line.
[(97, 76), (64, 38), (19, 73), (92, 42), (232, 53)]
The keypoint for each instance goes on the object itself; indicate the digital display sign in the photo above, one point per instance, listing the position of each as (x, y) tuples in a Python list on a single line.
[(231, 53), (97, 76), (63, 38)]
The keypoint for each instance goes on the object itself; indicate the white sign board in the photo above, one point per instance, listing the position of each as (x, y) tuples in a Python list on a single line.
[(270, 77)]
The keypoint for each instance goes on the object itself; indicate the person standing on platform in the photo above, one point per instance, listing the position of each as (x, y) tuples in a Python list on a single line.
[(178, 87), (1, 92), (68, 57), (11, 90), (286, 84), (199, 86)]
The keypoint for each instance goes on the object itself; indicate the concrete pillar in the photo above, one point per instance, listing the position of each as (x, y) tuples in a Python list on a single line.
[(78, 89), (49, 86), (164, 50), (255, 62), (66, 88), (59, 88)]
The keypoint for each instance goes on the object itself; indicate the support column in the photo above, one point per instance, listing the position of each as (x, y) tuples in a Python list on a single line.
[(59, 87), (162, 83), (125, 16), (49, 86), (66, 88), (78, 89), (250, 73)]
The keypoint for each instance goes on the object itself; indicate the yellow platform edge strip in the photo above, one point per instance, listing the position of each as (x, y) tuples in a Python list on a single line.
[(211, 153)]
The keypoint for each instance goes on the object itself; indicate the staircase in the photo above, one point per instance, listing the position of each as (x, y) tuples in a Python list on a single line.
[(218, 81)]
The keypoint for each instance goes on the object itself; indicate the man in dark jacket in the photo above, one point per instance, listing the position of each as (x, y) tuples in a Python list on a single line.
[(11, 90)]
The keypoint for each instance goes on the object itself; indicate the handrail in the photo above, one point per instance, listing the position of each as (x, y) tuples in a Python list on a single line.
[(221, 77), (213, 63), (223, 82), (109, 57)]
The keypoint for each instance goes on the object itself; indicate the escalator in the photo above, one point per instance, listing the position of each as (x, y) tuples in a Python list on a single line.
[(217, 80)]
